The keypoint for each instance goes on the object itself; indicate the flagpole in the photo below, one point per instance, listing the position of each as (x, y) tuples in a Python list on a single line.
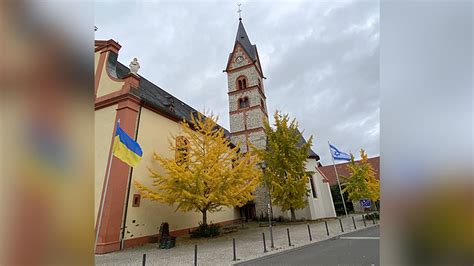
[(337, 177), (101, 210)]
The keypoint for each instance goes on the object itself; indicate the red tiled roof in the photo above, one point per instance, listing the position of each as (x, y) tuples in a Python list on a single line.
[(343, 170)]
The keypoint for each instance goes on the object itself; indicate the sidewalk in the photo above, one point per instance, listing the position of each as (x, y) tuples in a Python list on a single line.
[(218, 251)]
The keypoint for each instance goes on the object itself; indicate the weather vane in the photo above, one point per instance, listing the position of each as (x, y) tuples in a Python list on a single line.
[(239, 11)]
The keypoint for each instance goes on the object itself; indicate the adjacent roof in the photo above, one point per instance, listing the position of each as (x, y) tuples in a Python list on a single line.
[(153, 95), (311, 153), (244, 40), (343, 170)]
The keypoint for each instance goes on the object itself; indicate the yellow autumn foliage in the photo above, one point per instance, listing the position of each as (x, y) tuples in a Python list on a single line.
[(361, 183), (286, 157), (206, 174)]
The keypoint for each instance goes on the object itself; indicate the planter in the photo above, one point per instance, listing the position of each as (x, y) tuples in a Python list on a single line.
[(168, 243)]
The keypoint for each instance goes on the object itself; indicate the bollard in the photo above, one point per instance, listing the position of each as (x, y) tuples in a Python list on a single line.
[(144, 260), (233, 246), (195, 255), (264, 244), (340, 222), (309, 232), (373, 219), (327, 229), (289, 239), (363, 219), (354, 222)]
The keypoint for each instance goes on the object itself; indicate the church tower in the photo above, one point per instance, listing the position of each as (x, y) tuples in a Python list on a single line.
[(247, 101), (247, 107)]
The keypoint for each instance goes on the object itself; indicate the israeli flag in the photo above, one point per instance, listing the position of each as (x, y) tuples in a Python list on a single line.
[(339, 155)]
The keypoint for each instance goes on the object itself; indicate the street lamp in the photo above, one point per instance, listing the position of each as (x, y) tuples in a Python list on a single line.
[(263, 165)]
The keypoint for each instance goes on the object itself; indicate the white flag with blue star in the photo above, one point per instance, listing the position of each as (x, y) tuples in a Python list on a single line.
[(339, 155)]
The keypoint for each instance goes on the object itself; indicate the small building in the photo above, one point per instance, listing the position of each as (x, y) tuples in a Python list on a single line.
[(329, 174)]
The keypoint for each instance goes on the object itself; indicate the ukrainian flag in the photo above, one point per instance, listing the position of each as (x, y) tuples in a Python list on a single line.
[(126, 149)]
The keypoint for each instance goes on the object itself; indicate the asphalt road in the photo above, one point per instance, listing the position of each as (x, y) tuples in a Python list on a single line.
[(357, 248)]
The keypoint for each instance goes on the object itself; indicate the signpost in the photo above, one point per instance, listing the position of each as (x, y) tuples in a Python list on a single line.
[(365, 203)]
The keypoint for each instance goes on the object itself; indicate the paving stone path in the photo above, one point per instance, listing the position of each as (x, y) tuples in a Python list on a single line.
[(218, 251)]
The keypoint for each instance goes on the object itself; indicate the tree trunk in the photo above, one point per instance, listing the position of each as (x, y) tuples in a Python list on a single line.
[(204, 217), (293, 215)]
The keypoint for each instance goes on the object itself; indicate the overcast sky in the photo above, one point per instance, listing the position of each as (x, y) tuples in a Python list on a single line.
[(321, 59)]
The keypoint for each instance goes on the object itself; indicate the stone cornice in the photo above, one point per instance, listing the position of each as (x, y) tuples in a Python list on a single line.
[(248, 89), (109, 45), (248, 131), (244, 67), (243, 110)]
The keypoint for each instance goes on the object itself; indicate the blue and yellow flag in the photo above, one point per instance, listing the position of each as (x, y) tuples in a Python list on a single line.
[(126, 149)]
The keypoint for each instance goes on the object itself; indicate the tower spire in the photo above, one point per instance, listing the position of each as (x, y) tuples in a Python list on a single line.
[(239, 11), (244, 40)]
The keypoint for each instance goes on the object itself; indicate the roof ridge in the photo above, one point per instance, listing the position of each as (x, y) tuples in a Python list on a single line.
[(165, 94)]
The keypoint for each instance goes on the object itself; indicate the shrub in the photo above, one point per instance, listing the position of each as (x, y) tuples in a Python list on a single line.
[(370, 216), (206, 230)]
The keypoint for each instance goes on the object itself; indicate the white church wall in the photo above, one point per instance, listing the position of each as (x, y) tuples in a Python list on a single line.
[(317, 207), (322, 205), (300, 214), (329, 208)]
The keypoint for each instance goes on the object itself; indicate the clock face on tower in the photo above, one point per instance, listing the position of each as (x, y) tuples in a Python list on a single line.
[(239, 59)]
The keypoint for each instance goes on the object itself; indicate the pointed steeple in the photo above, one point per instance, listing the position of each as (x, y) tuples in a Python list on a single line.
[(244, 40)]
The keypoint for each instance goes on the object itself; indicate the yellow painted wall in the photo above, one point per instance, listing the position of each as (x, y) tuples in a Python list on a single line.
[(104, 127), (106, 84), (153, 136)]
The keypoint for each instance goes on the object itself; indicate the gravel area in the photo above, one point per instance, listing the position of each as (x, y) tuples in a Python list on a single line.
[(218, 251)]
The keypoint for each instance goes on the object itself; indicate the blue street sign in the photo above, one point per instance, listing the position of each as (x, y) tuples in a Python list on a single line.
[(365, 203)]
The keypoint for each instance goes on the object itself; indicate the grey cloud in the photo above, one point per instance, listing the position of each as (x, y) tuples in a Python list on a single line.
[(321, 59)]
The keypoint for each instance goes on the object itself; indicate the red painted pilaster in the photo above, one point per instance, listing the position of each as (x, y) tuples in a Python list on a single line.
[(116, 189)]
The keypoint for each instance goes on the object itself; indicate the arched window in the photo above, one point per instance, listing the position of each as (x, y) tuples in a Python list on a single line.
[(242, 83), (313, 188), (244, 102)]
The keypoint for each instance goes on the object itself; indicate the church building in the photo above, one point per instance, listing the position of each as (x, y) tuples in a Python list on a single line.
[(151, 115)]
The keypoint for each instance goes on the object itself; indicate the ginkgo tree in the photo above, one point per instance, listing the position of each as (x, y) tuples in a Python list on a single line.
[(207, 172), (285, 157), (361, 182)]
